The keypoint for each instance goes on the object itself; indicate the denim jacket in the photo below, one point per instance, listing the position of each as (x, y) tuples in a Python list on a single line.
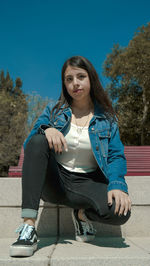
[(105, 141)]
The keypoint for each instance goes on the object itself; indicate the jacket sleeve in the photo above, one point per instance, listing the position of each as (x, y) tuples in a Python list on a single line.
[(40, 125), (117, 165)]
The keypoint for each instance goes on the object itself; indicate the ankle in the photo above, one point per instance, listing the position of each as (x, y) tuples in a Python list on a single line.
[(80, 215), (29, 221)]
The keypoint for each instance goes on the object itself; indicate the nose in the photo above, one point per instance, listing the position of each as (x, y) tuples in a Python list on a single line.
[(75, 81)]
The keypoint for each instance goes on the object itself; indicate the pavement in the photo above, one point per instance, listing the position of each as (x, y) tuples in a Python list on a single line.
[(125, 245), (108, 251)]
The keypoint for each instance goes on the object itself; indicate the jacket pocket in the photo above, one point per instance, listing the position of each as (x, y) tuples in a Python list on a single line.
[(59, 123), (104, 137)]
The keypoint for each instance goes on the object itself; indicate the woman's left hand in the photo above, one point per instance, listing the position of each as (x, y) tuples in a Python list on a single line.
[(122, 200)]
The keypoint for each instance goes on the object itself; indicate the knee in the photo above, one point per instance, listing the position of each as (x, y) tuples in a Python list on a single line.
[(116, 219), (37, 143), (123, 219), (107, 215)]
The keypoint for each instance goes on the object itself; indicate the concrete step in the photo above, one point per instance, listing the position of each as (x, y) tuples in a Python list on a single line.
[(48, 224), (56, 220), (68, 252)]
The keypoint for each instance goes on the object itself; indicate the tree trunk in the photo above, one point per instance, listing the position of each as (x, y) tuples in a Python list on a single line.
[(145, 113)]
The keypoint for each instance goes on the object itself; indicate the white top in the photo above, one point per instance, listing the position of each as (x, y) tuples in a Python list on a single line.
[(79, 157)]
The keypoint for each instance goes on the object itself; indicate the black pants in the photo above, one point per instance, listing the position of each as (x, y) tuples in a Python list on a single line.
[(44, 178)]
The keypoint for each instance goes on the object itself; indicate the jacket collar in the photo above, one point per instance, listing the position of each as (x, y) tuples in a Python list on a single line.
[(98, 110)]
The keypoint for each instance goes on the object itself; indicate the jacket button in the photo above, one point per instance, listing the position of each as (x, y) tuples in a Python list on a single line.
[(92, 128), (97, 148)]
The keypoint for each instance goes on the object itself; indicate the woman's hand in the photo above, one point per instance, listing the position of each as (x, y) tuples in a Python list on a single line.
[(56, 139), (122, 200)]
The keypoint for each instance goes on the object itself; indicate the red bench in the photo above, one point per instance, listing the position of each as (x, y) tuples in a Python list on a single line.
[(16, 171), (138, 162)]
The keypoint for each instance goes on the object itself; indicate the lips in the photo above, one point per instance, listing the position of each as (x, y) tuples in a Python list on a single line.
[(76, 91)]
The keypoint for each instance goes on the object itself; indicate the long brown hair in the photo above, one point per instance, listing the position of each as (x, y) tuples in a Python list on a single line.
[(96, 91)]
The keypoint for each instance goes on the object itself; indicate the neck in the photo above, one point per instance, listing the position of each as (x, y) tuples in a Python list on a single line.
[(81, 106)]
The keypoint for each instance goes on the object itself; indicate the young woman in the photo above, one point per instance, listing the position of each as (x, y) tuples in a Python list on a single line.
[(74, 156)]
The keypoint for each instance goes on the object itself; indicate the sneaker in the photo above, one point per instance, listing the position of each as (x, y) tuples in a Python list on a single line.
[(26, 243), (84, 231)]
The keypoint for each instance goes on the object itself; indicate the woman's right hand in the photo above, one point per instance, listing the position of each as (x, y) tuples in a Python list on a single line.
[(56, 140)]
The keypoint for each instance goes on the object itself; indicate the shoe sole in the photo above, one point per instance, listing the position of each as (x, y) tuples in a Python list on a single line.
[(23, 251), (82, 238)]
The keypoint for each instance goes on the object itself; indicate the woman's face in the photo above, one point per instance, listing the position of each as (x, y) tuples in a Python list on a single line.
[(77, 83)]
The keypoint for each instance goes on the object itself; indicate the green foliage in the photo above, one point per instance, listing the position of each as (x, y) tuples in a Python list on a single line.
[(36, 105), (13, 115), (128, 70)]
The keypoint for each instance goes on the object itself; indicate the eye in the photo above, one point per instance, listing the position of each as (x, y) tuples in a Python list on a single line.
[(82, 76), (68, 79)]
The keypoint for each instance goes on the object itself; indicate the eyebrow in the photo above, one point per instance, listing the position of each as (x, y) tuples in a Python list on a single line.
[(77, 74)]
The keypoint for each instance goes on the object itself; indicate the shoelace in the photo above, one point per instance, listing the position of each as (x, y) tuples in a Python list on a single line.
[(19, 228), (87, 226), (25, 234)]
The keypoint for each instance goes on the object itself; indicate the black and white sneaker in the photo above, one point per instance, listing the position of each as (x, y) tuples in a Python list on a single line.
[(84, 231), (26, 243)]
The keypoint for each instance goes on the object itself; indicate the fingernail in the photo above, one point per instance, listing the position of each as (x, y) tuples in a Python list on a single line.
[(125, 214), (66, 150), (109, 204)]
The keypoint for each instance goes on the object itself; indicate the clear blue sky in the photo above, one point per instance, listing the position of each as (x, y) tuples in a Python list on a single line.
[(37, 36)]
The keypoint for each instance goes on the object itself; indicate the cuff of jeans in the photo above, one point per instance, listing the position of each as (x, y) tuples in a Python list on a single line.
[(29, 213)]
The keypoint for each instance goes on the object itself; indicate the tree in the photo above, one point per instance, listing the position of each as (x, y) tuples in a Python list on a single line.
[(128, 70), (36, 105), (13, 115)]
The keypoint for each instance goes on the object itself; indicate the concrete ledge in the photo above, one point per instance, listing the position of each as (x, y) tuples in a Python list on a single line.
[(50, 214), (48, 225), (102, 251), (138, 190), (10, 220), (138, 225), (10, 193), (40, 258), (67, 252)]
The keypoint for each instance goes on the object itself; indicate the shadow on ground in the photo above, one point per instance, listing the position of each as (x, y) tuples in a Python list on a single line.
[(49, 229), (112, 242)]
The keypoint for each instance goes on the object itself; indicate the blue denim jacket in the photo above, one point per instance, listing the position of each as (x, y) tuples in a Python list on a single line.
[(105, 141)]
